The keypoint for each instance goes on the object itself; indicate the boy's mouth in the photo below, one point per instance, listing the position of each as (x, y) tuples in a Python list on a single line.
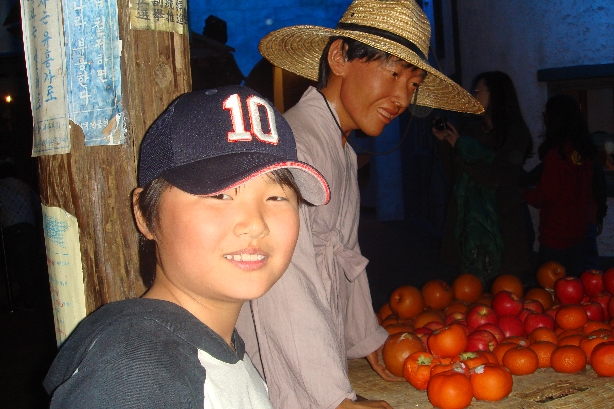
[(244, 257)]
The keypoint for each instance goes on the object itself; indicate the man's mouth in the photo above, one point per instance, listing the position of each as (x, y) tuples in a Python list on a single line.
[(386, 114)]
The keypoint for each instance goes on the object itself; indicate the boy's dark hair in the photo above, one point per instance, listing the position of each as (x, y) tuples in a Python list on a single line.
[(354, 49), (148, 200)]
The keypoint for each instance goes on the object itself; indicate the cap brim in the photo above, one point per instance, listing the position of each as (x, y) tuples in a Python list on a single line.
[(215, 175), (298, 49)]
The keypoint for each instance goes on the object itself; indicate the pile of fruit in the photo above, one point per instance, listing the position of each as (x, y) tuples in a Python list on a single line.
[(459, 343)]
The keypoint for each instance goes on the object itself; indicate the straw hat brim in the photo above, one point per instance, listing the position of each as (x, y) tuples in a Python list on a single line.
[(298, 49)]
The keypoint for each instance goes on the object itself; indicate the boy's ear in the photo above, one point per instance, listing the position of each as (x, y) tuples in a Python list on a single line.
[(337, 59), (138, 215)]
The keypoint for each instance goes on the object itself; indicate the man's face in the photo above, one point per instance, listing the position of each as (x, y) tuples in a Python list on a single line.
[(374, 93)]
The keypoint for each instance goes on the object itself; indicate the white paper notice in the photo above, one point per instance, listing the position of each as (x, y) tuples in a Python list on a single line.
[(159, 15), (65, 270), (44, 48)]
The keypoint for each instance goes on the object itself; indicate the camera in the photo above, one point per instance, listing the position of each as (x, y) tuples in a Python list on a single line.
[(440, 123)]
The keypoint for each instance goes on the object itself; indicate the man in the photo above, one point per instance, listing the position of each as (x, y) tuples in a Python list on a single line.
[(319, 314)]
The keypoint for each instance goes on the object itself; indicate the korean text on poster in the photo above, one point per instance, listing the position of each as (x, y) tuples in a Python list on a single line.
[(160, 15), (93, 70), (44, 50), (65, 270)]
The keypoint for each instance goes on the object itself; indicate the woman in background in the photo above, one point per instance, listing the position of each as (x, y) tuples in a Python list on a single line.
[(486, 226), (566, 190)]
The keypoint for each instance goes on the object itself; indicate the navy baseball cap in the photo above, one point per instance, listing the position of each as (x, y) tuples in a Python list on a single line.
[(210, 141)]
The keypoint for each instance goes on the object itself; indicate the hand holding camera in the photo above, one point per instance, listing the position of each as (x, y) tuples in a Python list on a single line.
[(443, 130), (440, 123)]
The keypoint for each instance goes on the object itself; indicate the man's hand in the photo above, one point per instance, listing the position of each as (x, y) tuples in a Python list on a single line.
[(350, 404), (376, 361)]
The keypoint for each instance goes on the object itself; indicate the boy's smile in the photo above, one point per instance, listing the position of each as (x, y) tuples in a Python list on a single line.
[(230, 247), (248, 259), (244, 257)]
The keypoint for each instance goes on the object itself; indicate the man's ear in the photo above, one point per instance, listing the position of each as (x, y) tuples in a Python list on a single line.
[(337, 59), (138, 215)]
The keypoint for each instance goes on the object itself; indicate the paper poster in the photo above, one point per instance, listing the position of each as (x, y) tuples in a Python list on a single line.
[(44, 50), (65, 270), (91, 32), (160, 15)]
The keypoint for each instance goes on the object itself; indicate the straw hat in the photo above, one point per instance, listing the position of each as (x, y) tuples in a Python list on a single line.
[(398, 27)]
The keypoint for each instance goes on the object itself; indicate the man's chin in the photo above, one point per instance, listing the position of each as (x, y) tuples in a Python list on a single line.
[(373, 133)]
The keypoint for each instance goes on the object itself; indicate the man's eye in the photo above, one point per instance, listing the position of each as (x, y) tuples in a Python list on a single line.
[(394, 74)]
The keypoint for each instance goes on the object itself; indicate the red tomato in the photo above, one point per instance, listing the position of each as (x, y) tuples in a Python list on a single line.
[(448, 341), (450, 390), (417, 369)]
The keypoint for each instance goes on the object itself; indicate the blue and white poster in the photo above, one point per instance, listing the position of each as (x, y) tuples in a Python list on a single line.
[(91, 32)]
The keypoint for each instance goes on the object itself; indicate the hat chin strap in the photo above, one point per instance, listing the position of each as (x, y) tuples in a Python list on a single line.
[(357, 148), (384, 34)]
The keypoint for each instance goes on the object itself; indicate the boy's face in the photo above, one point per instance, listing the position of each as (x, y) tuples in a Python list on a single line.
[(230, 247), (374, 93)]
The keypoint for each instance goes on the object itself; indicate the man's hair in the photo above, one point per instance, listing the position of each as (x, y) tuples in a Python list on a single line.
[(353, 50), (148, 200)]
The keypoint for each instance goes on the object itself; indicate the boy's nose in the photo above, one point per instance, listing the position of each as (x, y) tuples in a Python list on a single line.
[(253, 224)]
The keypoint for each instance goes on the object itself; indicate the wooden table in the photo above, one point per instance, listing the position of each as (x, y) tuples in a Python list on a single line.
[(545, 389)]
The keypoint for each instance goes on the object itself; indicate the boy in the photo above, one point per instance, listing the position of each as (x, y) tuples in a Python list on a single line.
[(220, 187), (319, 314)]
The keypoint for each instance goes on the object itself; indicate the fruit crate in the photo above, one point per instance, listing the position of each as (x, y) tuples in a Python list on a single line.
[(545, 389)]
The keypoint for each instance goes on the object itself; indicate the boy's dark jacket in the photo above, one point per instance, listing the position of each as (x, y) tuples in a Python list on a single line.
[(136, 353)]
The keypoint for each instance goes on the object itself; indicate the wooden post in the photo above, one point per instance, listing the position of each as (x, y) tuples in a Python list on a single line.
[(94, 183)]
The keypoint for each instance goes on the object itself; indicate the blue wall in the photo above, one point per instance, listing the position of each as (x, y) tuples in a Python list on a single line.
[(248, 20)]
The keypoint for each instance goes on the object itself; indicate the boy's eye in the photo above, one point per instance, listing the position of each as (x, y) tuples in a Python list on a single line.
[(221, 196), (277, 198)]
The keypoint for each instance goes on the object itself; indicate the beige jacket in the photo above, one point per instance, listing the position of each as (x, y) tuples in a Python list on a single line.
[(319, 314)]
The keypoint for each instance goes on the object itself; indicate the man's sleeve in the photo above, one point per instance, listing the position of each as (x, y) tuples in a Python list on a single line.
[(363, 333)]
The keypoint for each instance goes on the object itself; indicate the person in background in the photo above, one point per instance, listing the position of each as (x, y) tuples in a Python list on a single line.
[(600, 194), (219, 191), (486, 230), (369, 69), (569, 214), (19, 207)]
